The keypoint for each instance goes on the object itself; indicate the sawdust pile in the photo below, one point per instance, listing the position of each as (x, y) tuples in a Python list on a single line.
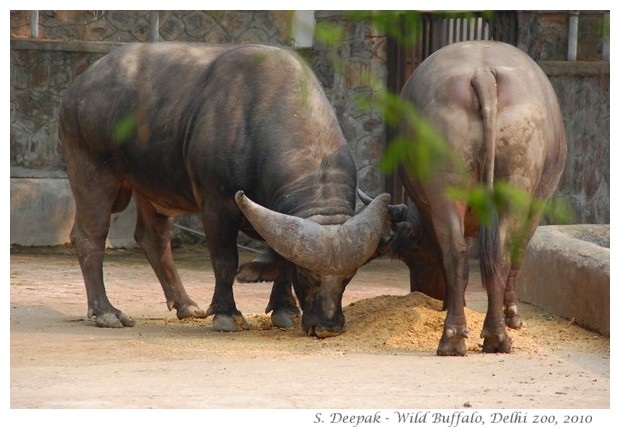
[(409, 322), (414, 322)]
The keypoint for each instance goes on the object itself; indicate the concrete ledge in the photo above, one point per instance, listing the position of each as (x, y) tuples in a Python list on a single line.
[(575, 68), (42, 212), (566, 272), (64, 45)]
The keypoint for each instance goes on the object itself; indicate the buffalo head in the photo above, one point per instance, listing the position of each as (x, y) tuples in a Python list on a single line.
[(324, 256), (413, 244), (406, 229)]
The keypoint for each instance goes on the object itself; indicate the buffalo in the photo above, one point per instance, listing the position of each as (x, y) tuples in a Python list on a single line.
[(499, 116), (242, 136)]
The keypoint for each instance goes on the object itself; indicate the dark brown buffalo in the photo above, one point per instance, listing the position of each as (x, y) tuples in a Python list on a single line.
[(498, 113), (242, 136)]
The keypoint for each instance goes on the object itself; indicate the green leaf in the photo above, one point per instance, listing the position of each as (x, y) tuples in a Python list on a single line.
[(124, 129), (328, 33)]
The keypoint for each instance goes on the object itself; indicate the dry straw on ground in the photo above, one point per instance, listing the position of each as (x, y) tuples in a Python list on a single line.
[(413, 323)]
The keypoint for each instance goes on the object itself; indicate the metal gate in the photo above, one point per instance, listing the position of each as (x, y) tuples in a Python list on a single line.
[(431, 32)]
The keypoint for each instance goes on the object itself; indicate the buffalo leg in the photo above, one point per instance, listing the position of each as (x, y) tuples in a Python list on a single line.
[(153, 233), (494, 267), (496, 339), (511, 302), (221, 229), (282, 304), (96, 193), (90, 249), (449, 232), (500, 281)]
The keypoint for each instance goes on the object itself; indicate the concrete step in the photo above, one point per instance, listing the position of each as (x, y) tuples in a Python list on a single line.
[(42, 212), (566, 272)]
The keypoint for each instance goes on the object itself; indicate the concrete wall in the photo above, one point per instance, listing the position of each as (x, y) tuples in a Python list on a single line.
[(42, 211), (566, 272)]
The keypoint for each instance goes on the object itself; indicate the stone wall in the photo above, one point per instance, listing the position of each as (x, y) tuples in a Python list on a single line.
[(40, 73), (544, 35), (583, 92), (582, 88), (69, 41), (272, 27), (345, 70)]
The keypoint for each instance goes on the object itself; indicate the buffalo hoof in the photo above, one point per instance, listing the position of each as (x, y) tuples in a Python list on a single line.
[(191, 311), (113, 320), (452, 342), (512, 318), (496, 342), (284, 319), (324, 333), (514, 322), (228, 323)]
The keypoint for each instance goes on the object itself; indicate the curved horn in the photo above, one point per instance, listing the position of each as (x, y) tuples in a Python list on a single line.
[(365, 198), (397, 212), (363, 232), (297, 239), (320, 248)]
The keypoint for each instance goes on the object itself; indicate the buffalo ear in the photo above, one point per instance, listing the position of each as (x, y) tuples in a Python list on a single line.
[(398, 212), (267, 267)]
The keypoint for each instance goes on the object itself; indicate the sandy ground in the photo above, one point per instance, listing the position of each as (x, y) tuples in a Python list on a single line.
[(59, 359)]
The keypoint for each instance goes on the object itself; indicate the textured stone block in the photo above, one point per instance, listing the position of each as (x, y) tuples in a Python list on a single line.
[(566, 272), (42, 211)]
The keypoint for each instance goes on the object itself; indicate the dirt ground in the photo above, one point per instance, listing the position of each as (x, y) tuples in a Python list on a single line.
[(384, 360)]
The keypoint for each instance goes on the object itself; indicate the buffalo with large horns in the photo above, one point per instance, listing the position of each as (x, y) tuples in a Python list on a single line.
[(242, 136)]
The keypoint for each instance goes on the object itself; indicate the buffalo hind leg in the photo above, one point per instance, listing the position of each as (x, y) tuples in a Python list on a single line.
[(494, 269), (449, 231), (96, 197), (153, 234), (452, 341), (496, 339), (90, 252), (511, 301)]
